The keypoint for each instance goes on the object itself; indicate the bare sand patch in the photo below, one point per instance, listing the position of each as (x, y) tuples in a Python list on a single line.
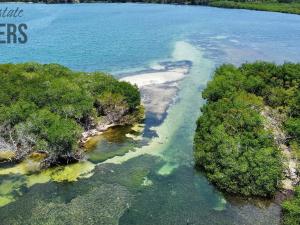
[(157, 77), (159, 86)]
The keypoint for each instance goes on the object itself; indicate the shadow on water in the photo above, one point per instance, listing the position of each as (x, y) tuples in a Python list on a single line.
[(113, 142), (185, 197)]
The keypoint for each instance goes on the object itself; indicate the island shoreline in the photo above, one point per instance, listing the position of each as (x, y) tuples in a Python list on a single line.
[(261, 7)]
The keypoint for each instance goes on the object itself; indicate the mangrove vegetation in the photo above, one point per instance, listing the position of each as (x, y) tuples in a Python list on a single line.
[(248, 134), (47, 108)]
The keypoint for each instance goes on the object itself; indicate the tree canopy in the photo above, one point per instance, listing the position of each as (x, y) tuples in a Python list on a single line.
[(232, 145), (47, 107)]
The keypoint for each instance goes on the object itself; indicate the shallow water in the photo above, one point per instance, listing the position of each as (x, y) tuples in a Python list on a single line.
[(131, 179)]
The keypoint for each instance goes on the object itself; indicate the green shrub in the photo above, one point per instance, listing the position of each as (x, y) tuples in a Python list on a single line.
[(291, 209), (46, 107), (232, 144)]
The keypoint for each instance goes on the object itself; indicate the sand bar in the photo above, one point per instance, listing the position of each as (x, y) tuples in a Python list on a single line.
[(158, 86), (158, 77)]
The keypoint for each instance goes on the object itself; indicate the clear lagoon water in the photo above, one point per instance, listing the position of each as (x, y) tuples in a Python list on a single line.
[(152, 180)]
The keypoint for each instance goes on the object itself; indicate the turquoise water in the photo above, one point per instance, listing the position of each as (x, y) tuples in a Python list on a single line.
[(149, 181), (114, 37)]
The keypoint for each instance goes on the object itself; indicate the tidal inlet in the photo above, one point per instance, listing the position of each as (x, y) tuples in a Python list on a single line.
[(166, 114)]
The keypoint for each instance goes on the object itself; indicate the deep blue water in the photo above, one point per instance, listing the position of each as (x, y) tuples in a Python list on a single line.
[(118, 38)]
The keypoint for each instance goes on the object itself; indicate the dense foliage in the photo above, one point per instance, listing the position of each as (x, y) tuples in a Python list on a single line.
[(232, 145), (284, 6), (47, 107)]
